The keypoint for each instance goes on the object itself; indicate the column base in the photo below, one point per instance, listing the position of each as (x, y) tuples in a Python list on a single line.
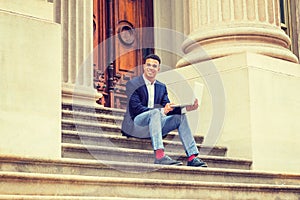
[(80, 95), (262, 108)]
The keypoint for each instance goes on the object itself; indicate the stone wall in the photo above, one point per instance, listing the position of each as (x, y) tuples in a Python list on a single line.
[(30, 84), (260, 120)]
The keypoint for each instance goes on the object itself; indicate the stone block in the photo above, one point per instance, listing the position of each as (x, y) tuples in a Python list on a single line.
[(30, 85)]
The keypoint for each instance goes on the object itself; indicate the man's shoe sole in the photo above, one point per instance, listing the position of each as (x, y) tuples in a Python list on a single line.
[(175, 164)]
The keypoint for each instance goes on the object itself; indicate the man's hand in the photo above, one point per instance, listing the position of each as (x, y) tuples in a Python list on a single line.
[(168, 108), (193, 107)]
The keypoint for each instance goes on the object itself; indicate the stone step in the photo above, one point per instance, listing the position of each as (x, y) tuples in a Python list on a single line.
[(39, 197), (105, 128), (97, 117), (12, 183), (90, 126), (91, 117), (71, 119), (100, 168), (144, 156), (93, 110), (101, 139)]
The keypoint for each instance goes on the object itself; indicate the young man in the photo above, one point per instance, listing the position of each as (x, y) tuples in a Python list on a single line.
[(150, 115)]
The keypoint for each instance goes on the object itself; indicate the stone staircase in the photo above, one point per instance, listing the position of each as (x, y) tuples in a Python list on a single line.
[(98, 163)]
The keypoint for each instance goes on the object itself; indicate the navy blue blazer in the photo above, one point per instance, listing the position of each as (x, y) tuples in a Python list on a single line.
[(137, 101)]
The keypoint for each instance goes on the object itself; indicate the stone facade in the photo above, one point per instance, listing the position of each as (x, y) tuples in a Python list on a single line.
[(30, 79), (242, 39), (238, 49)]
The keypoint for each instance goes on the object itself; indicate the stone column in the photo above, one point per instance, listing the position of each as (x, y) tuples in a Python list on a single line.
[(76, 19), (223, 27), (172, 16)]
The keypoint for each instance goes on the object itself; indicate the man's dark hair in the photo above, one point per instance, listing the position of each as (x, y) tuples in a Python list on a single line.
[(152, 56)]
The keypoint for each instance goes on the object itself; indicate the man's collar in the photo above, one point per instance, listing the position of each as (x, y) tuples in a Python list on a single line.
[(147, 81)]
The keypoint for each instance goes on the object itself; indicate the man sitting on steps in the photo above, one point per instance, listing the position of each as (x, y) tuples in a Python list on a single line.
[(149, 114)]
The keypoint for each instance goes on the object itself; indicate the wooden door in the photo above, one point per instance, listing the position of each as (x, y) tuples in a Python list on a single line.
[(121, 20)]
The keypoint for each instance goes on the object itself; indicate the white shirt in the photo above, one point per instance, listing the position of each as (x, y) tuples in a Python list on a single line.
[(150, 88)]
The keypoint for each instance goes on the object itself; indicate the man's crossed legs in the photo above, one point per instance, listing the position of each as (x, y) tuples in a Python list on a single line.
[(157, 125)]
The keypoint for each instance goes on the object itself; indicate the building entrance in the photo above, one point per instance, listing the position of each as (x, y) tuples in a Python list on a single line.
[(115, 23)]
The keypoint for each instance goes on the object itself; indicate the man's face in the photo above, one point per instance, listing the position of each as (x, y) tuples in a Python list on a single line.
[(151, 67)]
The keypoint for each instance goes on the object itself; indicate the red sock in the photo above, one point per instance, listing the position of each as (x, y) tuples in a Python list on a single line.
[(191, 157), (159, 153)]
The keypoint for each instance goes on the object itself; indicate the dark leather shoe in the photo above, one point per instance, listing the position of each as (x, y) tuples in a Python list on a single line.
[(196, 162), (166, 160)]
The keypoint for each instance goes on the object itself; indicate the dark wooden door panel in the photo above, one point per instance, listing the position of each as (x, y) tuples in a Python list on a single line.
[(122, 20)]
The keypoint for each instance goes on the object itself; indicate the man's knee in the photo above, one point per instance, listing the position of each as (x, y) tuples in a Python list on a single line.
[(180, 119), (183, 117), (155, 113)]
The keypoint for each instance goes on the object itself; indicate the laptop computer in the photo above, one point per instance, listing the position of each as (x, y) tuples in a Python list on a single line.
[(197, 94)]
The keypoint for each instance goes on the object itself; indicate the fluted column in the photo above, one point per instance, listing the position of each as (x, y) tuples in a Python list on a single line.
[(224, 27), (76, 19)]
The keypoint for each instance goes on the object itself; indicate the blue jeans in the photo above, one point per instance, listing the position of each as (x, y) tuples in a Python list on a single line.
[(155, 125)]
